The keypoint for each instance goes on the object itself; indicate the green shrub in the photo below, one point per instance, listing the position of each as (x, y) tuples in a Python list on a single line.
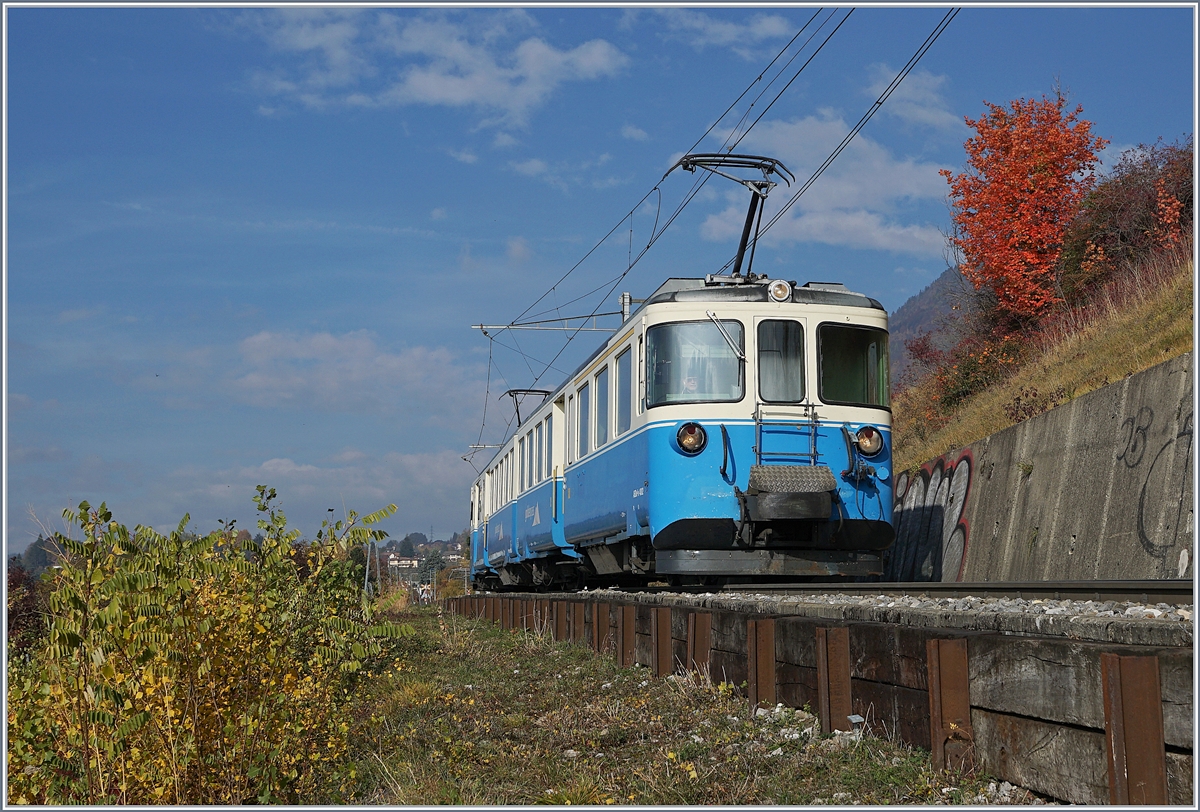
[(182, 669)]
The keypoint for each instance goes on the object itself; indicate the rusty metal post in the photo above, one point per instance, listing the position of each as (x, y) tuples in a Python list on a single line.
[(626, 635), (579, 625), (760, 661), (560, 620), (699, 640), (1133, 728), (594, 640), (660, 641), (833, 678), (951, 736), (604, 637)]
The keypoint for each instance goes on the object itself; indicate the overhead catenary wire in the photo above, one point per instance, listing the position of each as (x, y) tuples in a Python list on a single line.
[(862, 122), (656, 232), (711, 127), (699, 184)]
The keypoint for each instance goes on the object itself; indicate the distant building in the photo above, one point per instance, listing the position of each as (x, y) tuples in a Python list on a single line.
[(400, 562)]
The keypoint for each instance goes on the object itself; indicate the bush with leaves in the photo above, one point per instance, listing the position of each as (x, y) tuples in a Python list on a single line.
[(187, 670), (1145, 204), (1028, 168), (26, 610)]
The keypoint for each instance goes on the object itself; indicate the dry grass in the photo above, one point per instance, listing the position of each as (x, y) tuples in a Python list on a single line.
[(472, 714), (1142, 319)]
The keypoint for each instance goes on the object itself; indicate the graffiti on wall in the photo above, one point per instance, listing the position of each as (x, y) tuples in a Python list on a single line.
[(1164, 504), (930, 519)]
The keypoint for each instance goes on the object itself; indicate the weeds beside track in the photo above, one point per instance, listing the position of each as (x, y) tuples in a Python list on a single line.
[(473, 714)]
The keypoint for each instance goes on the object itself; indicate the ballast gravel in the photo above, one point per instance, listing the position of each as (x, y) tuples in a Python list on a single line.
[(1124, 622), (1037, 606)]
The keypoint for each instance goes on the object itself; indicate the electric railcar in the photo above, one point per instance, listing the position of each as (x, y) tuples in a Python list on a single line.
[(734, 427)]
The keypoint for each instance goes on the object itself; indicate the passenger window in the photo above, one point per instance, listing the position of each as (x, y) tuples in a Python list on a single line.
[(601, 407), (641, 367), (584, 413), (781, 361), (623, 390), (539, 465), (571, 421)]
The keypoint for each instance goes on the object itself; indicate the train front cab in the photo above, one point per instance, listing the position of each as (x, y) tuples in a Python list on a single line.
[(769, 441)]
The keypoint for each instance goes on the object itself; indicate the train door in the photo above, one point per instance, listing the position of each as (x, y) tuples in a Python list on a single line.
[(784, 425)]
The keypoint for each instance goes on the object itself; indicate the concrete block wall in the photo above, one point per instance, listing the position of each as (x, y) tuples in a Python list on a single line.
[(1100, 487)]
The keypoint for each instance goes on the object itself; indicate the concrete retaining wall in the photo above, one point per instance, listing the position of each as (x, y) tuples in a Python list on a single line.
[(1100, 487)]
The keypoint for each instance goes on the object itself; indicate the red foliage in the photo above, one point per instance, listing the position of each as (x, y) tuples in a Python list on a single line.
[(924, 354), (1029, 168)]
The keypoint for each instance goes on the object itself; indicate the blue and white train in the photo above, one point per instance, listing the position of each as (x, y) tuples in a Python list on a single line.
[(734, 428)]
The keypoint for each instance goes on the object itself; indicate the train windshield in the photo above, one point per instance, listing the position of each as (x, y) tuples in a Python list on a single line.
[(853, 365), (691, 362)]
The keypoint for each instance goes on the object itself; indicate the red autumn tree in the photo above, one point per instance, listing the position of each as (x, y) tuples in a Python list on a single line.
[(1028, 169)]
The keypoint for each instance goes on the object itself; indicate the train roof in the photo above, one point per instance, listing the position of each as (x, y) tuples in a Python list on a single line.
[(717, 289)]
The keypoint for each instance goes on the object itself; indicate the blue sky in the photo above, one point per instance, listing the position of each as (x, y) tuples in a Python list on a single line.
[(247, 246)]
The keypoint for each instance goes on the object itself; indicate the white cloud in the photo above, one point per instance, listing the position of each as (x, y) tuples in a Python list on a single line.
[(466, 156), (426, 487), (701, 30), (503, 140), (533, 167), (857, 202), (917, 100), (20, 455), (431, 486), (633, 133), (78, 314), (437, 214), (18, 402), (351, 372), (563, 175), (1110, 156), (481, 61), (518, 249)]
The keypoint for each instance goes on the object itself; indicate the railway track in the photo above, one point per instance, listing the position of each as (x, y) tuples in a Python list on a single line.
[(1149, 592)]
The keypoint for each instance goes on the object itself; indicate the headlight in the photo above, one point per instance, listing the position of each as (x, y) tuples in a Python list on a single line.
[(779, 291), (692, 438), (870, 441)]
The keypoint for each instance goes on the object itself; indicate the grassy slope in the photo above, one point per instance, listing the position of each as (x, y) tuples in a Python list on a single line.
[(471, 714), (1145, 322)]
